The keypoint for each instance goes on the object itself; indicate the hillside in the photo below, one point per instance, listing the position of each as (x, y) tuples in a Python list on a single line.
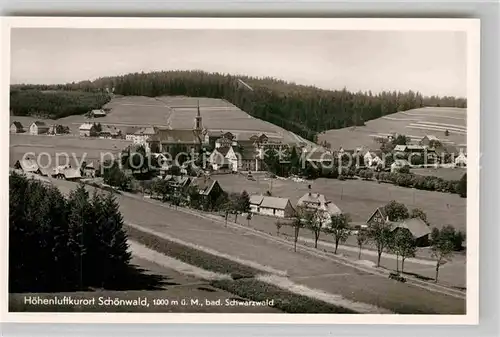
[(178, 112), (415, 123), (304, 110)]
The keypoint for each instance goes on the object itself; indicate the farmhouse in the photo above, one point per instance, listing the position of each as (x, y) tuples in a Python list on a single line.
[(27, 165), (273, 206), (318, 202), (38, 128), (67, 172), (141, 136), (461, 160), (224, 156), (209, 188), (418, 228), (371, 159), (89, 170), (226, 139), (430, 141), (16, 127), (110, 132), (88, 130), (96, 113)]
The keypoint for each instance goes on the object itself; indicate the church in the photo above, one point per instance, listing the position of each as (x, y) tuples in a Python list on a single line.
[(180, 140)]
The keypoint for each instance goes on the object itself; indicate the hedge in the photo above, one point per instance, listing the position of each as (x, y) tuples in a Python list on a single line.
[(284, 300), (190, 255), (428, 183)]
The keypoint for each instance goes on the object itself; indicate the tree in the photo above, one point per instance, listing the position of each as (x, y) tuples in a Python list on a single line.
[(243, 202), (403, 245), (381, 235), (339, 228), (442, 244), (400, 140), (447, 133), (462, 186), (278, 225), (314, 222), (361, 238), (298, 223), (396, 211), (419, 213)]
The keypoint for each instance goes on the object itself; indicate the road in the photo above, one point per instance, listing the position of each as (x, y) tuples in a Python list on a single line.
[(322, 273)]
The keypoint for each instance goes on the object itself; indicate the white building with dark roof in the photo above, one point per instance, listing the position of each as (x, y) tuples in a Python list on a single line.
[(318, 202), (271, 206)]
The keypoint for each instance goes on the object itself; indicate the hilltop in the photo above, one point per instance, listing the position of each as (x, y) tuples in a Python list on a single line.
[(415, 123), (303, 110)]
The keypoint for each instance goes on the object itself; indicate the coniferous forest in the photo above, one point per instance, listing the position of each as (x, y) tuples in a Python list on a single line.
[(304, 110)]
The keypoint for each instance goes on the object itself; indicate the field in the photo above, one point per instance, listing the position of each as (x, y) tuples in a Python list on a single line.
[(177, 113), (359, 198), (415, 123), (442, 172)]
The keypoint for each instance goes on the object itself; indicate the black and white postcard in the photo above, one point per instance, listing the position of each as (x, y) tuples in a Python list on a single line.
[(189, 168)]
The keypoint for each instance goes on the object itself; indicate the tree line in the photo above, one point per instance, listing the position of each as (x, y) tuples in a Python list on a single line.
[(304, 110), (443, 242), (54, 104), (59, 243)]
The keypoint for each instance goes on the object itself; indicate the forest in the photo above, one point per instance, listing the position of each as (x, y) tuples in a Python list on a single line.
[(304, 110)]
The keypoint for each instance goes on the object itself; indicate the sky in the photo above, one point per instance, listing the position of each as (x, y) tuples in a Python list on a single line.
[(432, 62)]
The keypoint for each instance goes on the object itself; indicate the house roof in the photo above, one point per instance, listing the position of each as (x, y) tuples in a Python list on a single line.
[(166, 136), (432, 137), (382, 211), (90, 165), (401, 148), (275, 202), (41, 124), (204, 184), (150, 130), (86, 126), (17, 124), (28, 165), (416, 226), (111, 129), (70, 173), (318, 201), (256, 199), (98, 112)]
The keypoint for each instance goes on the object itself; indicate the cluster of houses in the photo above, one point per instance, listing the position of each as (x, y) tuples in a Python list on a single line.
[(38, 128), (67, 172), (100, 131)]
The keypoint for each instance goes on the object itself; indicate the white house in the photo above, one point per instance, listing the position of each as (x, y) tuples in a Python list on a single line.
[(371, 159), (461, 160), (16, 127), (224, 156), (142, 136), (87, 130), (38, 128), (272, 206), (98, 113), (318, 202)]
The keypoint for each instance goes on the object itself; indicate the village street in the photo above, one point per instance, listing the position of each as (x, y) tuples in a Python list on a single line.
[(324, 273)]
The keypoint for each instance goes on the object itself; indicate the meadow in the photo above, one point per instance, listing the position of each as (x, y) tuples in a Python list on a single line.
[(176, 112), (359, 198), (415, 123)]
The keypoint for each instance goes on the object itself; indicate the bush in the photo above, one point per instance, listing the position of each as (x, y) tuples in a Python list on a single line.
[(283, 299)]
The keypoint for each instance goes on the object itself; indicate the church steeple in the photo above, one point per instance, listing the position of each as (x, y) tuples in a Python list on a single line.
[(198, 122)]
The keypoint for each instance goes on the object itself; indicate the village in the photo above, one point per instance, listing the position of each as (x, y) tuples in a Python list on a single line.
[(201, 169)]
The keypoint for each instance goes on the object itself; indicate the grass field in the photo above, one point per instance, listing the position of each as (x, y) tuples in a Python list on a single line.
[(442, 172), (359, 198), (415, 123)]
